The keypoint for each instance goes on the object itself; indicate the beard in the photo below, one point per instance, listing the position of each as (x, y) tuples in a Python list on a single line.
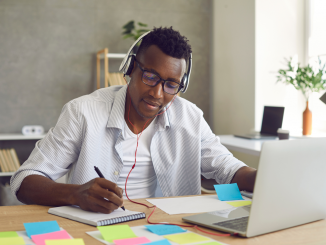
[(142, 115)]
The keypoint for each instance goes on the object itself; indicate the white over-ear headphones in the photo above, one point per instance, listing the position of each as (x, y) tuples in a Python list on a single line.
[(127, 64)]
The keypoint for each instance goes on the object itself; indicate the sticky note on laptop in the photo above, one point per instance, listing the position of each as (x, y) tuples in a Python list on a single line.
[(228, 192), (37, 228), (239, 203)]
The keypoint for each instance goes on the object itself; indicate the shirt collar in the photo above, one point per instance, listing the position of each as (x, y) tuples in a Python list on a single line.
[(116, 117)]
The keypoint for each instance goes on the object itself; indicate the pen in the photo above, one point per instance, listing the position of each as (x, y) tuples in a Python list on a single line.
[(102, 176)]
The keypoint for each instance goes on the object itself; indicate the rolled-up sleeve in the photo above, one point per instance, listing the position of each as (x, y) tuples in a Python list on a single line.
[(53, 155), (217, 162)]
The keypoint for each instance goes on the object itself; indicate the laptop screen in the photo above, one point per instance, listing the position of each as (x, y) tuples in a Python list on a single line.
[(272, 119)]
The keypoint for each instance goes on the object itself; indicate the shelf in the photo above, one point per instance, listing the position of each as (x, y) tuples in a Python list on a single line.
[(3, 174), (113, 56), (20, 137)]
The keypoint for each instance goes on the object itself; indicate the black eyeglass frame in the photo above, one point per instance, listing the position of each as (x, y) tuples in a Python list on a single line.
[(161, 79)]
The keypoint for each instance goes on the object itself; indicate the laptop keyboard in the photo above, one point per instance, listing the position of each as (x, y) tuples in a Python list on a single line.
[(239, 224)]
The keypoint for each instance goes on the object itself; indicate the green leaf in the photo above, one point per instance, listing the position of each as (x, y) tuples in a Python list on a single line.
[(142, 24), (128, 36), (129, 26)]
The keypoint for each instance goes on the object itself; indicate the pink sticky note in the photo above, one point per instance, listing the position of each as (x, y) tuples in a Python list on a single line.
[(40, 239), (132, 241)]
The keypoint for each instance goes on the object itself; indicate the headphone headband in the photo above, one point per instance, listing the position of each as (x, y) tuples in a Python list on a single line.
[(128, 62)]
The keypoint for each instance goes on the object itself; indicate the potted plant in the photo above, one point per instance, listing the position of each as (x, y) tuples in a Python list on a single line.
[(130, 31), (306, 79)]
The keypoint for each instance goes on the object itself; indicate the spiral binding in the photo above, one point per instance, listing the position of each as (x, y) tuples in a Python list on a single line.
[(121, 219)]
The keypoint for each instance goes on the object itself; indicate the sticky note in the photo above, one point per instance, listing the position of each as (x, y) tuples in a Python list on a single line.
[(160, 242), (8, 234), (185, 238), (164, 229), (12, 240), (40, 239), (115, 232), (132, 241), (228, 192), (211, 243), (77, 241), (37, 228), (239, 203)]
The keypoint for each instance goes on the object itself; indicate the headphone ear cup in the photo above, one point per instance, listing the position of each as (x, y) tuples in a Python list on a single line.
[(184, 82), (130, 65)]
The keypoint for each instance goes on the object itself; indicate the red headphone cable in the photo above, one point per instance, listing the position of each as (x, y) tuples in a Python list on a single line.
[(138, 137)]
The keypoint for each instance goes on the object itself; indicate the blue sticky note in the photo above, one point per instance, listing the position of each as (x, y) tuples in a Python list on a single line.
[(160, 242), (228, 192), (164, 229), (37, 228)]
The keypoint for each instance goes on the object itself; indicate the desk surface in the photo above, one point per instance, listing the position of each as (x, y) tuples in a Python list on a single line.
[(13, 217)]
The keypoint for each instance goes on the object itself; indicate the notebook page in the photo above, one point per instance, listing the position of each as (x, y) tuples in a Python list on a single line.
[(75, 213)]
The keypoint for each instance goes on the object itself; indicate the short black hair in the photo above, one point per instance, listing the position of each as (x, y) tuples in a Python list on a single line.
[(169, 41)]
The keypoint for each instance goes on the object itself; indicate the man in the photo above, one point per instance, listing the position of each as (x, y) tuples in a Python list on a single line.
[(175, 146)]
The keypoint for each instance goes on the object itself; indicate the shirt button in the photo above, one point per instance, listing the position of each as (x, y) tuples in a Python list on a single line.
[(116, 172)]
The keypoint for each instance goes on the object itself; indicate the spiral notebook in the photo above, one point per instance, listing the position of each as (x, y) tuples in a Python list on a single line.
[(96, 219)]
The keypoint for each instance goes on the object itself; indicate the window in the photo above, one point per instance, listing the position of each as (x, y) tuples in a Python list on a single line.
[(317, 47)]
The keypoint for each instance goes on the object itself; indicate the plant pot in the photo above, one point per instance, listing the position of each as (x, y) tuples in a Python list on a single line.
[(307, 121)]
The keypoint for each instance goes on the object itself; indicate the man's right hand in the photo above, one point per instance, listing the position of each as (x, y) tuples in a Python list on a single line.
[(98, 195), (36, 189)]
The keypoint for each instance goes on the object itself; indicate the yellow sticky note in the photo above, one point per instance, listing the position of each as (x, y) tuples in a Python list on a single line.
[(115, 232), (8, 234), (78, 241), (239, 203), (185, 238), (12, 241), (211, 243)]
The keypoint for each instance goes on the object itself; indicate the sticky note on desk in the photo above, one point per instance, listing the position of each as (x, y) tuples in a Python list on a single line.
[(115, 232), (160, 242), (132, 241), (239, 203), (37, 228), (40, 239), (228, 192), (164, 229), (77, 241), (185, 238), (211, 243), (12, 240), (8, 234)]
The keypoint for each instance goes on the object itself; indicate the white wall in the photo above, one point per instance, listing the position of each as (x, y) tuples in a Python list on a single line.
[(250, 41), (233, 66), (279, 34)]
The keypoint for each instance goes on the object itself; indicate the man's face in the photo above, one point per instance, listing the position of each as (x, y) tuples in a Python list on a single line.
[(148, 101)]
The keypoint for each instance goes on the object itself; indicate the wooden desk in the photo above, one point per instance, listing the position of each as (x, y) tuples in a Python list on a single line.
[(13, 217)]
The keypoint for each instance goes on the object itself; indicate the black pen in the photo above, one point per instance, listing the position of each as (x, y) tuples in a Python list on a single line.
[(102, 176)]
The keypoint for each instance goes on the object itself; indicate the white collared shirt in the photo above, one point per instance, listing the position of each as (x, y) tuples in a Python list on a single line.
[(89, 133)]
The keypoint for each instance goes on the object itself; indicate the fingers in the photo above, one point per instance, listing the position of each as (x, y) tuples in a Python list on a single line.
[(115, 197), (106, 184), (97, 204)]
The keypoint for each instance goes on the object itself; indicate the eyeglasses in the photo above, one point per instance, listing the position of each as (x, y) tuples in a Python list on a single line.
[(151, 79)]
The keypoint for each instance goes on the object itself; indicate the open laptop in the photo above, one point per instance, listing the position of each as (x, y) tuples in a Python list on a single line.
[(272, 120), (290, 190)]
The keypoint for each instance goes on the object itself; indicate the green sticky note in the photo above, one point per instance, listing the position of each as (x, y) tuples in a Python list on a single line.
[(78, 241), (8, 234), (12, 240), (185, 238), (211, 243), (115, 232), (239, 203)]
